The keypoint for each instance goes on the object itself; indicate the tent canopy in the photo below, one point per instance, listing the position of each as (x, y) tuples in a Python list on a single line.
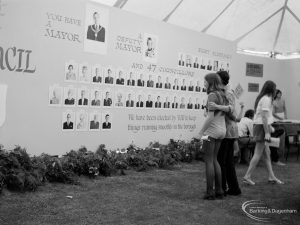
[(262, 26)]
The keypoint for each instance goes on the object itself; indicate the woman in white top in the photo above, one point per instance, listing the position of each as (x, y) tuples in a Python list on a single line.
[(262, 130), (279, 106)]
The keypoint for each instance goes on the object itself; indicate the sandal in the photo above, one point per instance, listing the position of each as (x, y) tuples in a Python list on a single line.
[(248, 181), (275, 181)]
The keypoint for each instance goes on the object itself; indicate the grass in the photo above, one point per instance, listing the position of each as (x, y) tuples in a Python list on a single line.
[(153, 197)]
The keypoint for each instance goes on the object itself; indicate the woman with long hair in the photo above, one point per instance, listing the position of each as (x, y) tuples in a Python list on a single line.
[(262, 130), (215, 129)]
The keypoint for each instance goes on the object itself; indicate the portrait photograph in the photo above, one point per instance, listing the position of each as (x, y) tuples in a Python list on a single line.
[(131, 78), (55, 95), (119, 99), (222, 65), (181, 59), (203, 63), (190, 85), (196, 62), (149, 100), (167, 82), (68, 120), (197, 105), (84, 75), (95, 98), (150, 81), (175, 83), (130, 99), (120, 76), (106, 121), (82, 120), (97, 74), (159, 82), (109, 75), (95, 121), (140, 100), (216, 65), (227, 67), (96, 29), (198, 86), (188, 60), (190, 102), (150, 52), (71, 71), (107, 97), (167, 101), (141, 79), (174, 101), (209, 64), (70, 93), (83, 96), (158, 100)]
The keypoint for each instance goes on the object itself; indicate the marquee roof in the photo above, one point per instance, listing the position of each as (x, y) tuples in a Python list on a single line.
[(255, 25)]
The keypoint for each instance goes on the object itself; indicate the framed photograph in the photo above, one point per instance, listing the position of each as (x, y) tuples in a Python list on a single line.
[(94, 121), (130, 99), (209, 65), (55, 95), (166, 99), (130, 81), (150, 43), (83, 97), (109, 75), (174, 104), (254, 70), (140, 100), (70, 96), (97, 74), (71, 71), (107, 98), (181, 59), (204, 63), (68, 120), (158, 101), (150, 81), (149, 101), (82, 120), (119, 99), (96, 29), (95, 98), (106, 121), (188, 60), (140, 79), (216, 65), (196, 62), (84, 73), (120, 76)]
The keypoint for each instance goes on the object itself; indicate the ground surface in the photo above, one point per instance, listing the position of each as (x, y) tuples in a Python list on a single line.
[(152, 197)]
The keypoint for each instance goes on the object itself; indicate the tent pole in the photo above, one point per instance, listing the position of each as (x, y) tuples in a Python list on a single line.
[(261, 23), (280, 24), (215, 19), (170, 14)]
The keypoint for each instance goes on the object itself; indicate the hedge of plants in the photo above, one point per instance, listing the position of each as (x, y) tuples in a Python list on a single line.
[(20, 172)]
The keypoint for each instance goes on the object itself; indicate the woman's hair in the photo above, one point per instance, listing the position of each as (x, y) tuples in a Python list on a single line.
[(249, 113), (224, 75), (276, 94), (215, 84), (269, 89)]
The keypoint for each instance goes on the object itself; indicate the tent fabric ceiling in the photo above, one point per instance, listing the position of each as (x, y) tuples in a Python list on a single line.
[(257, 25)]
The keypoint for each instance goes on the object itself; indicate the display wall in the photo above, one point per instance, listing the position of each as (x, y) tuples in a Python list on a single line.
[(52, 58)]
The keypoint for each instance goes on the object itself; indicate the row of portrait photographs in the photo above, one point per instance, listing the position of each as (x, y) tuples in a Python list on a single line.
[(95, 98), (197, 62), (121, 77), (84, 121)]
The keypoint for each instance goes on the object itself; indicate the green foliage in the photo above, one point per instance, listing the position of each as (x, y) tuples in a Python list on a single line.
[(20, 172)]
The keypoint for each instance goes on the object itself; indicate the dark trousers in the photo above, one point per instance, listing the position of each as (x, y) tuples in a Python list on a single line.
[(274, 151), (226, 161)]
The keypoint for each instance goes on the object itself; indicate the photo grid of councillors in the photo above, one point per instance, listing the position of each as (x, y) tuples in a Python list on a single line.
[(202, 63), (89, 91)]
